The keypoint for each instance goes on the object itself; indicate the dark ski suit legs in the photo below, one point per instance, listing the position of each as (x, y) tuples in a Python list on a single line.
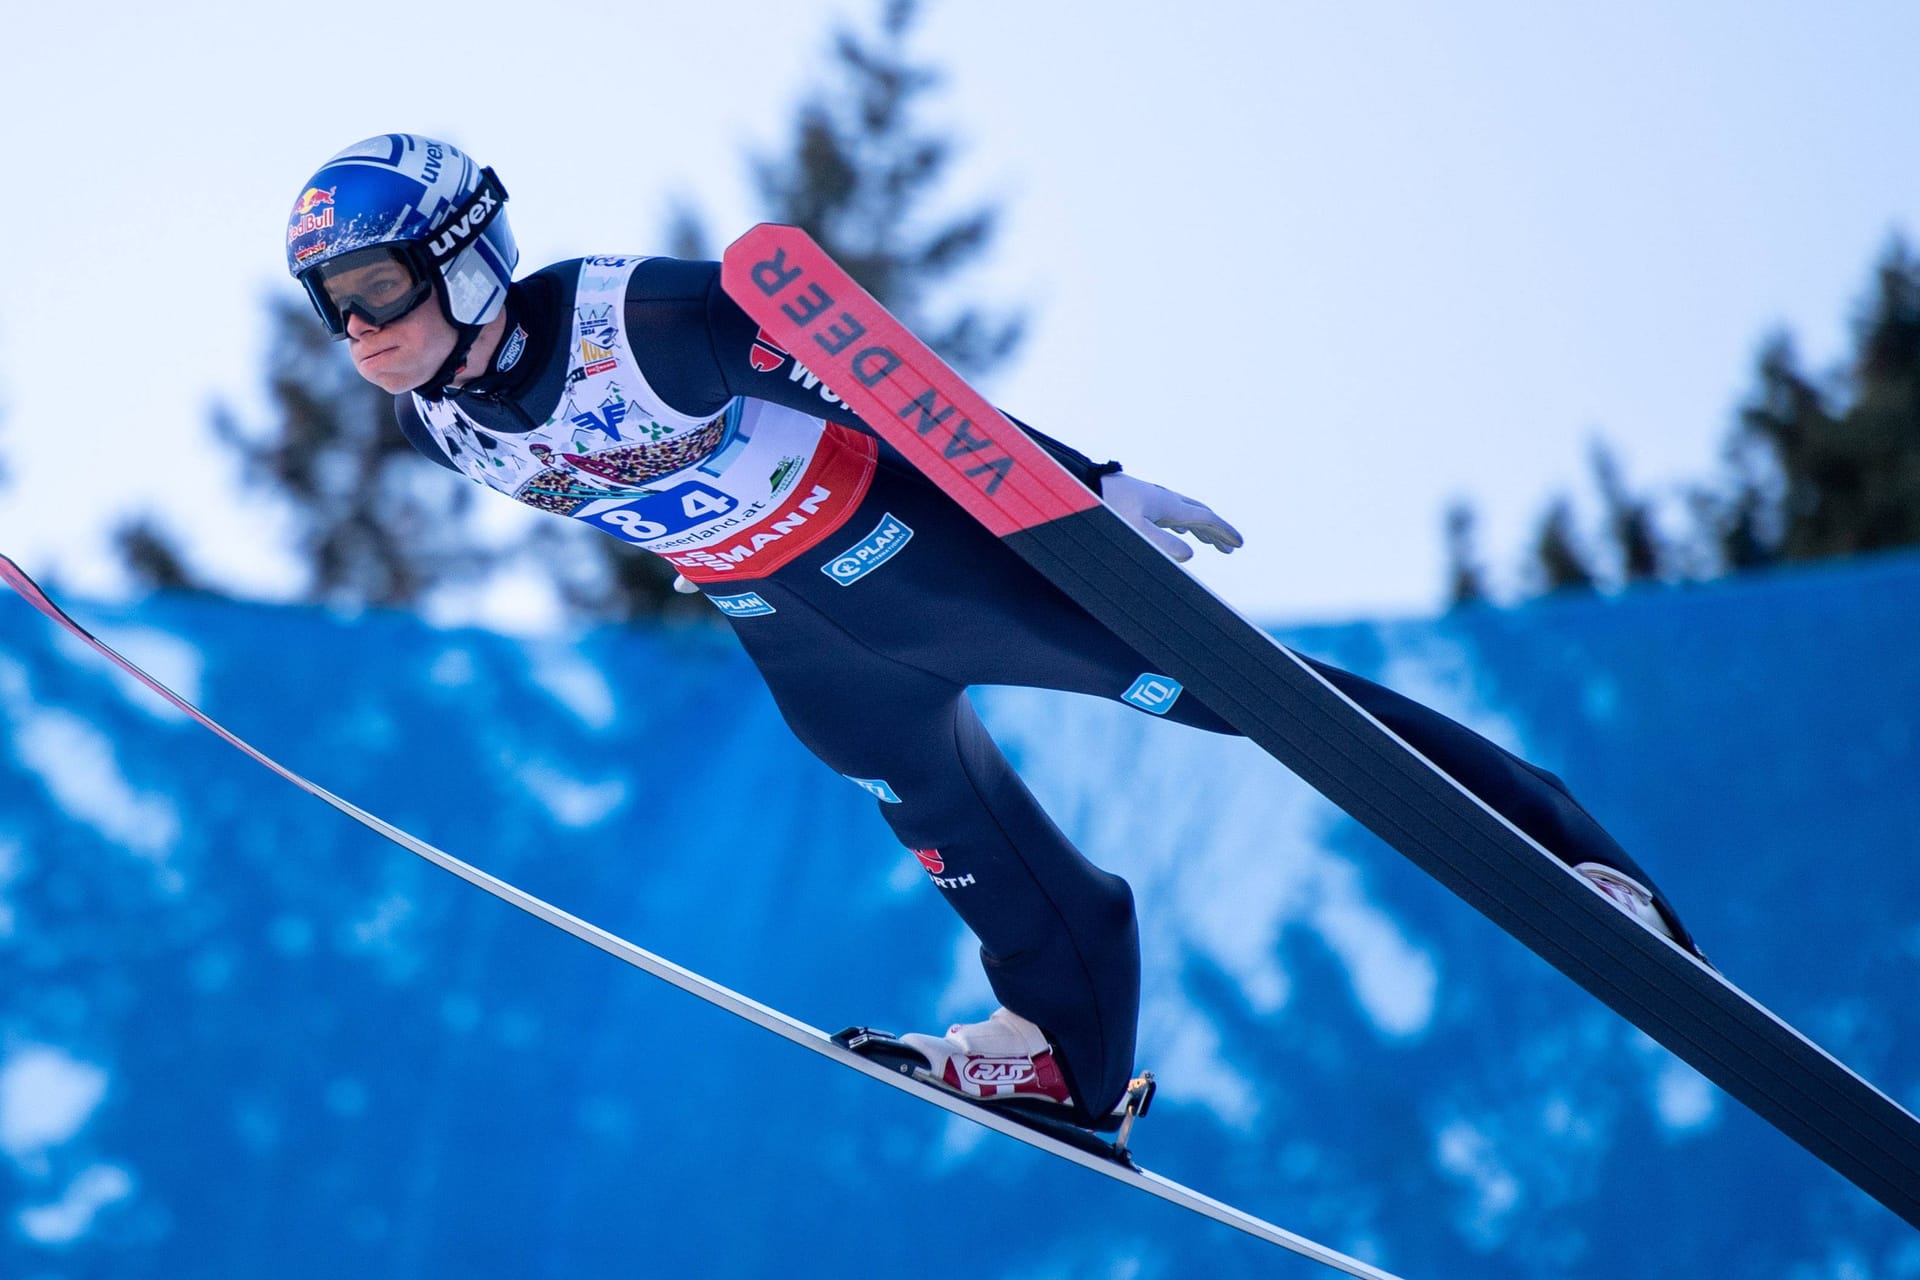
[(871, 674)]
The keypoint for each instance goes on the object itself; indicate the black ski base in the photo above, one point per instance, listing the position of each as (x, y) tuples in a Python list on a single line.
[(1267, 693), (886, 1049)]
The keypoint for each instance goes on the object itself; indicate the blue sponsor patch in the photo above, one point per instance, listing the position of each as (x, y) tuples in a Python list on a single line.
[(872, 551), (669, 511), (747, 604), (1152, 693), (510, 354), (878, 786)]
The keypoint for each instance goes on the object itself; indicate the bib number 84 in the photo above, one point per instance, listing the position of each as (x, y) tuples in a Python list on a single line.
[(670, 511)]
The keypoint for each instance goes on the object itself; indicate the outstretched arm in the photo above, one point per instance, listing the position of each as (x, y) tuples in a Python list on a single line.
[(702, 350)]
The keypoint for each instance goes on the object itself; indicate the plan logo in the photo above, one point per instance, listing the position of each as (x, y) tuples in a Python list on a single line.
[(878, 547), (748, 604), (1152, 693)]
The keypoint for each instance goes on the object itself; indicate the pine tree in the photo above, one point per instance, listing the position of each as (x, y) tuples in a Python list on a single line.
[(1559, 562), (858, 173), (1466, 578), (1633, 542), (1561, 558), (374, 522), (152, 558), (1814, 468), (377, 524), (1847, 462)]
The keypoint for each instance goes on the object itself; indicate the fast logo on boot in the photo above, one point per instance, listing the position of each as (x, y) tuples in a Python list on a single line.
[(998, 1073)]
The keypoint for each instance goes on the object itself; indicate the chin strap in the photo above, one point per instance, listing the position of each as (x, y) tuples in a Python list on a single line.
[(436, 386)]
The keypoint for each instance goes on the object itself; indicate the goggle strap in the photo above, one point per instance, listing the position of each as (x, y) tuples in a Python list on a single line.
[(464, 226)]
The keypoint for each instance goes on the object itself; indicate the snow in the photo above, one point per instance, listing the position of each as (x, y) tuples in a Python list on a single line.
[(11, 865), (574, 682), (1310, 1067), (572, 802), (80, 769), (166, 657), (1683, 1100), (69, 1217), (380, 928), (1469, 1155), (46, 1097), (453, 669), (1394, 981)]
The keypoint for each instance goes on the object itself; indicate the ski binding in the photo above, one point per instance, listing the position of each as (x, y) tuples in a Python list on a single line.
[(887, 1049)]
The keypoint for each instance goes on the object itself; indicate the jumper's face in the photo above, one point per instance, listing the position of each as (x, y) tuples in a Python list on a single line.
[(403, 353)]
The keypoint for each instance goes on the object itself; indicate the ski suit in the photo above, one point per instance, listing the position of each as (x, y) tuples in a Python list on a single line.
[(634, 395)]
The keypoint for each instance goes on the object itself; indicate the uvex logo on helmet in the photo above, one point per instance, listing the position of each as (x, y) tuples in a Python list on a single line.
[(463, 230)]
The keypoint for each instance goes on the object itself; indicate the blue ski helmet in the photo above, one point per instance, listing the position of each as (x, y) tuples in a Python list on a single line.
[(411, 200)]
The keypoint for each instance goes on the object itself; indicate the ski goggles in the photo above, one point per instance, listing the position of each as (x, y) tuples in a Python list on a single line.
[(384, 282), (380, 284)]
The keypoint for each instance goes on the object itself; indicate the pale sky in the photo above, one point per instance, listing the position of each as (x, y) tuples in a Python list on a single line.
[(1325, 267)]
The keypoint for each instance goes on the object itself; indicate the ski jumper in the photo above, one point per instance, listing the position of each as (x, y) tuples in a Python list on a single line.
[(634, 395)]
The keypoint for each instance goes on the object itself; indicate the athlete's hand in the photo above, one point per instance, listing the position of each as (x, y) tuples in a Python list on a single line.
[(1154, 510)]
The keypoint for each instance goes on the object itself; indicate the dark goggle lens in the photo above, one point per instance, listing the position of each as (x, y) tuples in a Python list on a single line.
[(380, 285)]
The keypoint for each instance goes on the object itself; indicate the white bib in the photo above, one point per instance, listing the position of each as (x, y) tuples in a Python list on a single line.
[(732, 496)]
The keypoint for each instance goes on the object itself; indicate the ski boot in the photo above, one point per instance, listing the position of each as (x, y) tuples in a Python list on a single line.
[(1636, 902), (1006, 1065)]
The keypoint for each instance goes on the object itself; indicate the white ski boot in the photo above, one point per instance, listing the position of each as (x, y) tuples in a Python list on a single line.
[(1004, 1058)]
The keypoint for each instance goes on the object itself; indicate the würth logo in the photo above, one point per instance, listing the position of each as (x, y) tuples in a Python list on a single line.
[(766, 354), (931, 860)]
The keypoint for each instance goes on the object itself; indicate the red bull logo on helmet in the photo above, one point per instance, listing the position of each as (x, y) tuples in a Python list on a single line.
[(312, 198), (304, 220)]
